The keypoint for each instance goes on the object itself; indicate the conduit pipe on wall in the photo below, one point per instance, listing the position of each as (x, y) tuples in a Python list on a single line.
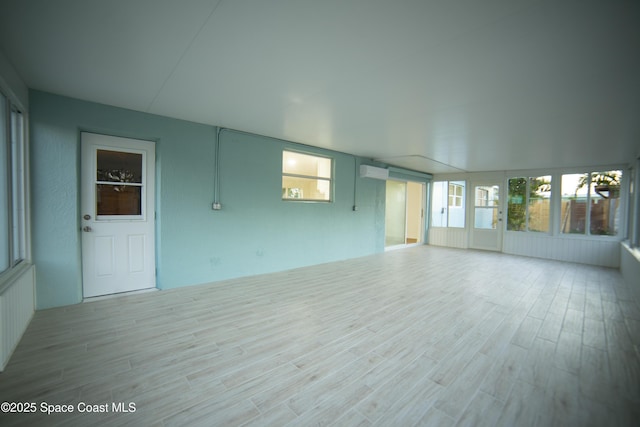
[(355, 182), (216, 174)]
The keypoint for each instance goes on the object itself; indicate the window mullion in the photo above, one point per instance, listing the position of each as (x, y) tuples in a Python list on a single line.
[(446, 206), (635, 238), (587, 217), (527, 189), (120, 183)]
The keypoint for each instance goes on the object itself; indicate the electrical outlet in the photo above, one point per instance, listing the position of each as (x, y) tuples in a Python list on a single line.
[(216, 206), (355, 208)]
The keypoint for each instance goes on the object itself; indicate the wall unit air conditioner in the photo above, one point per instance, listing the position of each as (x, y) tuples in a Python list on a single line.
[(367, 171)]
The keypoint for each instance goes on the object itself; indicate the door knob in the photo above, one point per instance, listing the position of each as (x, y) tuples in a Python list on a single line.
[(87, 229)]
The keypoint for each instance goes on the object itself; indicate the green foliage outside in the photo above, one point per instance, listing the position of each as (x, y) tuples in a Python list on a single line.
[(524, 191), (517, 203)]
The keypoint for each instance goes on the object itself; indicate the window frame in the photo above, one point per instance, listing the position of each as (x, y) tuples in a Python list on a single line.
[(633, 214), (329, 180), (451, 197), (483, 197), (14, 173), (455, 197), (620, 211), (528, 177), (18, 186), (6, 174)]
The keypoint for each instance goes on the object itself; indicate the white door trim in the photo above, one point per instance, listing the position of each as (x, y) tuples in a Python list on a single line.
[(118, 250)]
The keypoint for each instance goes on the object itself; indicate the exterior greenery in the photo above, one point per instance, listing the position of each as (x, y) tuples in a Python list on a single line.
[(523, 192)]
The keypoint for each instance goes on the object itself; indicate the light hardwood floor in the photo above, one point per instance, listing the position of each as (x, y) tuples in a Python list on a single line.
[(421, 336)]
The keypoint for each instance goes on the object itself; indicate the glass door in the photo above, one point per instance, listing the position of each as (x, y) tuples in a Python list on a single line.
[(415, 213), (395, 213), (404, 213)]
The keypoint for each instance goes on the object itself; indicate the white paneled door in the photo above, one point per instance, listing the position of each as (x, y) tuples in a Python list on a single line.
[(117, 214), (486, 226)]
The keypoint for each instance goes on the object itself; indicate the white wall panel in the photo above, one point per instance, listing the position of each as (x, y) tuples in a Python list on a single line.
[(585, 251), (603, 252), (630, 268), (449, 237), (16, 311)]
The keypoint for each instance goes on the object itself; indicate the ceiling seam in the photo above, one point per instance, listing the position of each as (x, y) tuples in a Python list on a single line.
[(173, 70)]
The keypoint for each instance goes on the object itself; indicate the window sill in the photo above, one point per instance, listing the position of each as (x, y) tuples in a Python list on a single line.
[(590, 237), (306, 201), (635, 252), (8, 277), (603, 238)]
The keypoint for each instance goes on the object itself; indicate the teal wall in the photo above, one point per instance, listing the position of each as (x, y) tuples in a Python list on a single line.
[(255, 232)]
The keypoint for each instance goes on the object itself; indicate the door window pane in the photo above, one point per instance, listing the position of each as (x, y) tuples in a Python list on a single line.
[(119, 183), (439, 204), (415, 213), (395, 213), (117, 166), (487, 199), (118, 199), (482, 196), (456, 204), (486, 218), (487, 195)]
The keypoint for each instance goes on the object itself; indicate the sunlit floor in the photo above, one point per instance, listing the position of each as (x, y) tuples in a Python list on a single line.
[(421, 336)]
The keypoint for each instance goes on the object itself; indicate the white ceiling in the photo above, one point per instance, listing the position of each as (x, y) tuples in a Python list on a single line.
[(432, 85)]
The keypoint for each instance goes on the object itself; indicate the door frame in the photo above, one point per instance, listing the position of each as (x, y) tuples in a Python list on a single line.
[(148, 208), (423, 219), (476, 234)]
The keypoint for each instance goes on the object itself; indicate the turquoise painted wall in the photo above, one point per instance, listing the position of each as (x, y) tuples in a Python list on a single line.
[(255, 232)]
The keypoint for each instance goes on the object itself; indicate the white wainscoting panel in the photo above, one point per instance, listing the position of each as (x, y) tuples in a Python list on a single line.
[(16, 311), (603, 252), (630, 268), (449, 237)]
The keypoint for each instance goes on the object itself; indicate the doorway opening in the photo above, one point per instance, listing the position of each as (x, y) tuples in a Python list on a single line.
[(404, 213)]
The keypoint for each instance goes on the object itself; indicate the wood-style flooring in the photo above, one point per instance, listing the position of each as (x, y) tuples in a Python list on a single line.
[(421, 336)]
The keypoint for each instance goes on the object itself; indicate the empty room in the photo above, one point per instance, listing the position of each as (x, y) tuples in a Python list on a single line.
[(296, 213)]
